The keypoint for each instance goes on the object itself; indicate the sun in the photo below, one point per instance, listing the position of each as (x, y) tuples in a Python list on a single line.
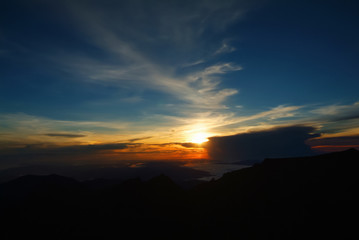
[(199, 138)]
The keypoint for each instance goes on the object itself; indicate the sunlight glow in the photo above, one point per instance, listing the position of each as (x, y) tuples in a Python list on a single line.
[(199, 138)]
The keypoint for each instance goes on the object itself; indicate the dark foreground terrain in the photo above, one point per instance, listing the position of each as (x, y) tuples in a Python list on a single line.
[(295, 198)]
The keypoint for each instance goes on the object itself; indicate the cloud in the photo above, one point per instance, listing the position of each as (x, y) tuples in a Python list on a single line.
[(31, 129), (255, 146), (225, 48), (189, 145), (329, 144), (339, 112), (46, 153), (66, 135), (135, 37), (349, 140), (198, 88), (141, 47), (337, 119), (273, 114), (138, 139), (194, 63), (46, 149), (15, 154)]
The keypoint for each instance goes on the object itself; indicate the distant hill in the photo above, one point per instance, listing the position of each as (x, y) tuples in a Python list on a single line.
[(292, 198)]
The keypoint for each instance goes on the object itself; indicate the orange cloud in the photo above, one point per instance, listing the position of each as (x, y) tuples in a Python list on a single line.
[(334, 148)]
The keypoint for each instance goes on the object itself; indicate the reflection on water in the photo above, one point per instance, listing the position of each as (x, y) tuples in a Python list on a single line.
[(216, 169)]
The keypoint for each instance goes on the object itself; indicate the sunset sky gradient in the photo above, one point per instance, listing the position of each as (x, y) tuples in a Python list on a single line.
[(98, 81)]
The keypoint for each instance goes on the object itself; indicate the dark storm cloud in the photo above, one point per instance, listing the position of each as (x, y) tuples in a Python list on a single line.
[(66, 135), (255, 146), (335, 141)]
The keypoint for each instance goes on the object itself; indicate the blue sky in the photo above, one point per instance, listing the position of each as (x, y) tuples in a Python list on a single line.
[(103, 72)]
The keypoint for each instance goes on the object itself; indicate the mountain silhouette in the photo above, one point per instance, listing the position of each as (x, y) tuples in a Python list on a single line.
[(289, 198)]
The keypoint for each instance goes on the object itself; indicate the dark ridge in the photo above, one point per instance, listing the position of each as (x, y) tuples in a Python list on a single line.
[(30, 183), (40, 180), (290, 198), (162, 182)]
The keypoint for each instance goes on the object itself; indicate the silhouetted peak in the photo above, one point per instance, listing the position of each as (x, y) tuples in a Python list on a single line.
[(132, 182), (351, 150), (100, 183), (162, 181), (340, 164), (26, 185), (38, 181), (45, 178), (342, 156), (160, 178)]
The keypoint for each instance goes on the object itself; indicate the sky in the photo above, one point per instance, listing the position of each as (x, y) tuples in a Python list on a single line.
[(103, 81)]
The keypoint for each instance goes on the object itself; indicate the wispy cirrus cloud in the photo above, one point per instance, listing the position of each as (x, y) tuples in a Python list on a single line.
[(225, 48), (138, 47), (339, 112), (22, 128), (16, 127), (180, 31), (199, 88), (24, 134), (28, 129)]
